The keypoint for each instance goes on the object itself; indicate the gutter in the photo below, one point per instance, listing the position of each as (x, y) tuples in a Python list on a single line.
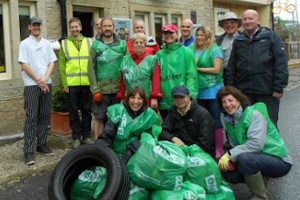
[(63, 19)]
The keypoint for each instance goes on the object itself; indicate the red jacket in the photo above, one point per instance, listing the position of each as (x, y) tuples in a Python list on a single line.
[(150, 50)]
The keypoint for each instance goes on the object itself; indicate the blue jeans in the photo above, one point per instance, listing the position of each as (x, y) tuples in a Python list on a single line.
[(251, 163), (213, 108)]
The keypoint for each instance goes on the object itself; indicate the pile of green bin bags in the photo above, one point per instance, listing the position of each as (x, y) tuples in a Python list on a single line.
[(160, 170)]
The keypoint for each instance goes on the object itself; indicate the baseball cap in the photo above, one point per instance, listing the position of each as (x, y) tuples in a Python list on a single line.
[(170, 28), (35, 19), (181, 91)]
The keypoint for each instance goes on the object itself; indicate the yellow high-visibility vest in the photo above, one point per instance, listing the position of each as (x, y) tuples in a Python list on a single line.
[(77, 62)]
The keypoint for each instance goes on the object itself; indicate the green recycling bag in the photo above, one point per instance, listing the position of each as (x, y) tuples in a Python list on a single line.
[(157, 165), (188, 191), (138, 193), (89, 184), (225, 193), (202, 169)]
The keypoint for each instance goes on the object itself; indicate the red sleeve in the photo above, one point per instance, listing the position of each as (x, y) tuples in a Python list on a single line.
[(121, 93), (156, 48), (129, 47), (156, 91)]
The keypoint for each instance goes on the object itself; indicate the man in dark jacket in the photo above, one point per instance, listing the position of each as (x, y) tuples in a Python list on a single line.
[(188, 123), (258, 64)]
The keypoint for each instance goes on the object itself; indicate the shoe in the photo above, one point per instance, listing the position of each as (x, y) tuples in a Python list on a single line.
[(88, 141), (44, 150), (76, 143), (257, 186), (29, 159)]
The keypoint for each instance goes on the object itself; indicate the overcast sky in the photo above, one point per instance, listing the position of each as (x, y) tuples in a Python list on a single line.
[(285, 15)]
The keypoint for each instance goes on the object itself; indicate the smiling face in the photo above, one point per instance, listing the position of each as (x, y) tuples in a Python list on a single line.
[(35, 29), (230, 104), (186, 28), (107, 28), (250, 20), (182, 103), (169, 37), (135, 102), (75, 29), (200, 38), (139, 46), (230, 26), (139, 27)]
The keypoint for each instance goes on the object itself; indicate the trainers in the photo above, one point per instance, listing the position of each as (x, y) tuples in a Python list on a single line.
[(44, 150), (76, 143), (29, 159), (88, 141)]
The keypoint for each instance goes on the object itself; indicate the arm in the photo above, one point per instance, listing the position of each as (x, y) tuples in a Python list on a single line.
[(256, 136), (191, 74), (121, 93), (216, 69), (280, 66), (231, 67), (109, 133), (62, 60), (167, 129), (28, 70), (94, 87), (156, 90)]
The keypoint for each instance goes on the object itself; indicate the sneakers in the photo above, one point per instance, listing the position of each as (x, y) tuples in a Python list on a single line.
[(44, 150), (88, 141), (29, 159), (76, 143)]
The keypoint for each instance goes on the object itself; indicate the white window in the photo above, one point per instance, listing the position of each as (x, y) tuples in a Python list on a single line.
[(175, 19), (5, 60), (145, 18)]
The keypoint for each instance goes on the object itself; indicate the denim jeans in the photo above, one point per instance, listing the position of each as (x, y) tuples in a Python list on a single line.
[(251, 163), (213, 108)]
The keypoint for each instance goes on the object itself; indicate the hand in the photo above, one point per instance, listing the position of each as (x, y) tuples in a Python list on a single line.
[(66, 90), (225, 164), (277, 95), (45, 89), (177, 141), (154, 104), (41, 82), (97, 97)]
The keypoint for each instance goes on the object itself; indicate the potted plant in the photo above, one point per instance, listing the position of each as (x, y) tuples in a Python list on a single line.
[(60, 121)]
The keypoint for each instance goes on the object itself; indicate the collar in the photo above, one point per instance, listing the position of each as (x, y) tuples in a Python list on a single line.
[(116, 40), (235, 118), (139, 58), (74, 39), (231, 37)]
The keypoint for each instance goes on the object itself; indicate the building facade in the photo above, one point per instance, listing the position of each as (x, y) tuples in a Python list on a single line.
[(14, 16)]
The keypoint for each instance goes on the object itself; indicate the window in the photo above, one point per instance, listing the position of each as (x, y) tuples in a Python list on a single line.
[(145, 18), (159, 22), (176, 20), (24, 16), (5, 61)]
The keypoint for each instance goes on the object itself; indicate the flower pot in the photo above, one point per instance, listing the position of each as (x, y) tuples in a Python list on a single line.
[(60, 123)]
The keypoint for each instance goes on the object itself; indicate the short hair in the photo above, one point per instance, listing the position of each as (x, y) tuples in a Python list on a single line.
[(210, 38), (138, 36), (137, 90), (138, 20), (236, 93), (107, 18), (74, 19)]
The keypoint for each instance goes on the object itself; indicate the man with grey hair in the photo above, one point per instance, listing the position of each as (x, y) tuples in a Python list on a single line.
[(230, 23), (258, 64), (152, 46), (186, 29)]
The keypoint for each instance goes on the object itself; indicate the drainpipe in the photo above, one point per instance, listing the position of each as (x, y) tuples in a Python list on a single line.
[(63, 18), (272, 15)]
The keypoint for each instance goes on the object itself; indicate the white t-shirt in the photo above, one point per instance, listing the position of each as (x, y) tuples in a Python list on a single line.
[(38, 55)]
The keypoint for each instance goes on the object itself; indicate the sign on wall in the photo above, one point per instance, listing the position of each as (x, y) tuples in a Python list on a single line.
[(123, 28), (218, 15)]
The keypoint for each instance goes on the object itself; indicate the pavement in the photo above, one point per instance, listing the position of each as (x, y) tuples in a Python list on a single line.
[(13, 168)]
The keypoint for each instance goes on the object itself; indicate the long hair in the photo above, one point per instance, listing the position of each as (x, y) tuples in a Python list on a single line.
[(209, 36), (137, 90), (230, 90)]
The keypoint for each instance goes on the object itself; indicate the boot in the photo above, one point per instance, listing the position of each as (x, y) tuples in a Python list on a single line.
[(219, 142), (257, 186)]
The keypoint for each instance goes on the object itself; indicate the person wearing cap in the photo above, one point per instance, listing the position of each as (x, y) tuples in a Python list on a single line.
[(188, 123), (258, 64), (230, 23), (151, 45), (37, 59), (177, 64), (73, 68), (104, 72), (209, 59), (186, 28), (140, 69)]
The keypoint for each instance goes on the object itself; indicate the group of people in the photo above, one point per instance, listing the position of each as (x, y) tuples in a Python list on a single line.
[(127, 85)]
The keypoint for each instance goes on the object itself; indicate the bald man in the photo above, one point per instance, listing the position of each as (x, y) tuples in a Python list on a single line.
[(186, 28), (258, 64)]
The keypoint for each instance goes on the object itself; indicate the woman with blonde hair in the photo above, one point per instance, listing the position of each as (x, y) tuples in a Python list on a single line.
[(140, 69), (209, 59)]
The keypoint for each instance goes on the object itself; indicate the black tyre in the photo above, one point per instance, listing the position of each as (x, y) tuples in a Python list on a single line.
[(86, 157)]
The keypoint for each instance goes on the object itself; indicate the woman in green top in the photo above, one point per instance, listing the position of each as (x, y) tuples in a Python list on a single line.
[(209, 59), (257, 147)]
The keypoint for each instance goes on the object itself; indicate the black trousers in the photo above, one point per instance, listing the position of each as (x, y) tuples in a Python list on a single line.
[(80, 99)]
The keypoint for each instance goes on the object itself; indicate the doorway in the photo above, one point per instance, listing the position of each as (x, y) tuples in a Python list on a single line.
[(86, 19)]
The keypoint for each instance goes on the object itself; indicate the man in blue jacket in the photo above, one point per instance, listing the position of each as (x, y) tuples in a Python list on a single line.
[(258, 64)]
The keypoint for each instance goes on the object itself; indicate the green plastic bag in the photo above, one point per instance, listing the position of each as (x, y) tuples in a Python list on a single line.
[(202, 169), (188, 191), (225, 193), (89, 184), (138, 193), (157, 165)]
